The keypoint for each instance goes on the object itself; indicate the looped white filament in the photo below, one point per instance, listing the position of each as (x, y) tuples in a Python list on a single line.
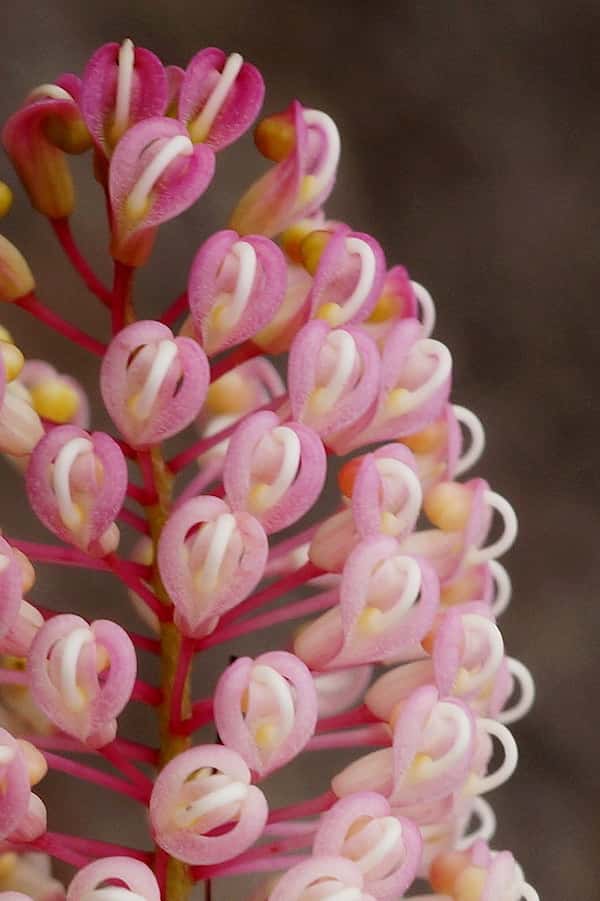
[(474, 623), (61, 473), (347, 353), (425, 347), (139, 194), (281, 693), (499, 547), (527, 688), (482, 809), (70, 649), (292, 452), (48, 92), (231, 793), (410, 594), (430, 769), (404, 475), (391, 834), (222, 528), (366, 275), (238, 301), (474, 426), (166, 353), (112, 893), (480, 785), (425, 301), (529, 893), (124, 85), (503, 584), (201, 125), (331, 139)]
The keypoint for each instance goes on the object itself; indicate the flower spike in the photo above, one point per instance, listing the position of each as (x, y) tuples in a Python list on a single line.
[(122, 85), (199, 792), (37, 139), (210, 559), (235, 287), (155, 174), (153, 385), (219, 97), (76, 483), (386, 848), (140, 881), (266, 709), (305, 144), (82, 676), (276, 472)]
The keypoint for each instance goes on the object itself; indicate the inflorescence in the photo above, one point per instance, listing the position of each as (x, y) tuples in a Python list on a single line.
[(393, 648)]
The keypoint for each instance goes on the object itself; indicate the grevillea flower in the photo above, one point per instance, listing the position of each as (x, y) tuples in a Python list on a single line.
[(76, 483), (199, 792), (152, 383), (266, 709), (155, 174), (392, 575), (210, 558), (235, 288), (82, 676), (219, 97)]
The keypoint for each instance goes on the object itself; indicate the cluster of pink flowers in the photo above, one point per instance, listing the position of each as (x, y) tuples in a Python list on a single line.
[(398, 656)]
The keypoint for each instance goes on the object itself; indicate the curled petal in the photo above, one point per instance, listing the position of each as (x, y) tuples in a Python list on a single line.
[(219, 98), (348, 278), (139, 881), (333, 378), (321, 878), (155, 174), (276, 472), (305, 143), (266, 709), (198, 793), (76, 483), (386, 848), (153, 385), (37, 138), (235, 287), (210, 559), (122, 84), (82, 676)]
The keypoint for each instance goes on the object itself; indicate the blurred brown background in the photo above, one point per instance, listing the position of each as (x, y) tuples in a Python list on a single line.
[(471, 137)]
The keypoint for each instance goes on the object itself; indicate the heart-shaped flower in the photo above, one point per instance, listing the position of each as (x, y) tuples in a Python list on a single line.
[(139, 881), (153, 384), (323, 877)]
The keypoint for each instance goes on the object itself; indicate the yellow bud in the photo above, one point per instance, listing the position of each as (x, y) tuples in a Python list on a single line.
[(275, 137), (12, 359), (5, 335), (446, 869), (27, 570), (447, 506), (36, 763), (470, 884), (427, 440), (8, 862), (292, 238), (16, 279), (72, 137), (312, 248), (383, 310), (331, 313), (228, 395), (6, 199), (55, 400)]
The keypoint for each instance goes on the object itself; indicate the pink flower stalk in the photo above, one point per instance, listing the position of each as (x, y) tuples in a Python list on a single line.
[(386, 602)]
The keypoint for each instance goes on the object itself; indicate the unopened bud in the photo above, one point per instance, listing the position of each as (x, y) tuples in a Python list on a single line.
[(16, 279)]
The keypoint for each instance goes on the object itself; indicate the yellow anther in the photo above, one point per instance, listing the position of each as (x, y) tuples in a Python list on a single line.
[(398, 401), (370, 620), (275, 137), (6, 199), (55, 400), (331, 313), (229, 394), (102, 659), (12, 359), (258, 498), (5, 335), (8, 862), (448, 505), (421, 762), (308, 188), (470, 884), (265, 735), (384, 309), (35, 761), (292, 238), (319, 401), (427, 440), (312, 248)]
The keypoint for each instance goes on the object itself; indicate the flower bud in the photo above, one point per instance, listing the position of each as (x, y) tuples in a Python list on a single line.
[(305, 143), (6, 199), (16, 280), (22, 814), (322, 877), (210, 559), (155, 174), (276, 472), (195, 795), (76, 483), (139, 881), (266, 709), (20, 426), (234, 289), (82, 676), (38, 136), (19, 620), (122, 85), (478, 874), (153, 385), (56, 398), (219, 97), (386, 848)]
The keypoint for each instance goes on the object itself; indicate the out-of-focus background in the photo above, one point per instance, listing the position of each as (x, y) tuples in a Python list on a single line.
[(471, 138)]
